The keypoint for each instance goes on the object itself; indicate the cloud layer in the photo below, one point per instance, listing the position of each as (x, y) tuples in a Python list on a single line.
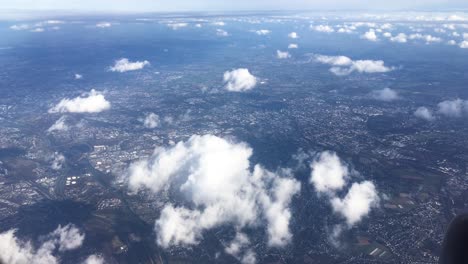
[(92, 102)]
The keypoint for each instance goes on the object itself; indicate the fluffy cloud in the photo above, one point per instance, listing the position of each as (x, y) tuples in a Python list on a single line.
[(370, 35), (221, 33), (427, 38), (424, 113), (343, 65), (59, 125), (15, 251), (282, 54), (216, 179), (78, 76), (151, 120), (453, 108), (463, 44), (92, 102), (357, 203), (323, 28), (124, 65), (328, 174), (293, 46), (293, 35), (400, 38), (239, 80), (94, 259), (239, 249), (385, 94), (262, 32)]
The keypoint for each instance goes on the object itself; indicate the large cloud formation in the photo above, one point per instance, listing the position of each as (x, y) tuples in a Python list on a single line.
[(239, 80), (329, 176), (92, 102), (15, 251), (342, 65), (124, 65), (220, 187)]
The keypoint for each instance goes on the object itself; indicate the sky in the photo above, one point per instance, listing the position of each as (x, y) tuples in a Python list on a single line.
[(237, 5)]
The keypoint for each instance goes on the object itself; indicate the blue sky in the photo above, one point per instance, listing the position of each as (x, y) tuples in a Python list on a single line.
[(223, 5)]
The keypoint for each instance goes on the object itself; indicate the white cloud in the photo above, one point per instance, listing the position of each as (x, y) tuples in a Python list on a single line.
[(262, 32), (424, 113), (328, 174), (38, 30), (463, 44), (78, 76), (94, 259), (20, 27), (176, 26), (427, 38), (124, 65), (453, 108), (385, 94), (214, 176), (239, 80), (282, 54), (57, 161), (293, 46), (323, 28), (151, 120), (92, 102), (103, 25), (293, 35), (239, 248), (400, 38), (370, 35), (357, 203), (16, 251), (221, 33), (59, 125), (451, 42), (343, 65), (219, 23)]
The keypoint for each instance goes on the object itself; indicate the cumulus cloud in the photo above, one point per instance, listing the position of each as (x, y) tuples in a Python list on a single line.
[(427, 38), (103, 25), (59, 125), (78, 76), (16, 251), (282, 54), (239, 80), (92, 102), (343, 65), (124, 65), (293, 46), (219, 23), (357, 203), (151, 120), (239, 248), (94, 259), (262, 32), (424, 113), (328, 174), (370, 35), (323, 28), (463, 44), (400, 38), (293, 35), (453, 108), (385, 94), (219, 185)]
